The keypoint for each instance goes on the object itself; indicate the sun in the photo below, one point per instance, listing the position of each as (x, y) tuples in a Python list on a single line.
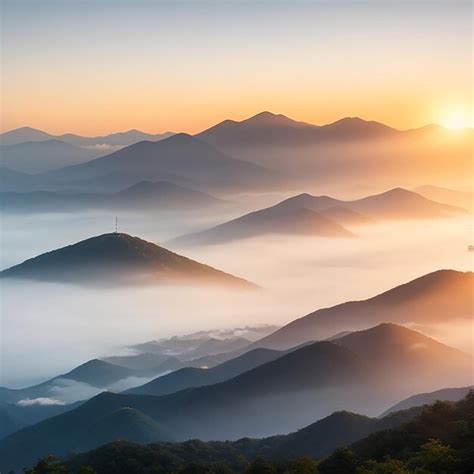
[(455, 119)]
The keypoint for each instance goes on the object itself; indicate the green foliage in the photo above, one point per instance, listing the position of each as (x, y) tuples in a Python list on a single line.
[(439, 440), (47, 465)]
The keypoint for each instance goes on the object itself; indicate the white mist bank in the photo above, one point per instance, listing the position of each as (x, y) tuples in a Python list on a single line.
[(47, 329)]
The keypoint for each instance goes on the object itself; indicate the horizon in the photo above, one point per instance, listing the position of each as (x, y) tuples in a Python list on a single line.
[(95, 69), (164, 131)]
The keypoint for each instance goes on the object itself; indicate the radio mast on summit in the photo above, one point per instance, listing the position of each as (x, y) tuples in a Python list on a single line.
[(116, 225)]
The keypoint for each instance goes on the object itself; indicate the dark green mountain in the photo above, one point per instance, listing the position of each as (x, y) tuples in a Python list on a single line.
[(119, 258), (125, 423), (438, 297)]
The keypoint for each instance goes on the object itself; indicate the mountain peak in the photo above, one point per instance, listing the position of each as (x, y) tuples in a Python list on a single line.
[(118, 258)]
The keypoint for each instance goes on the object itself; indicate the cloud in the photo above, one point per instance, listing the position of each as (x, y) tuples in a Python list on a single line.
[(43, 401), (68, 390)]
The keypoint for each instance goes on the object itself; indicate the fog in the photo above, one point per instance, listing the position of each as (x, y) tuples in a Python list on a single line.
[(47, 329)]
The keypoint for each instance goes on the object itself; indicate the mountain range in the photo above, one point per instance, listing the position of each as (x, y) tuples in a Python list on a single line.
[(181, 159), (305, 214), (439, 297), (464, 199), (314, 380), (28, 134), (143, 196), (38, 157), (118, 258), (95, 373)]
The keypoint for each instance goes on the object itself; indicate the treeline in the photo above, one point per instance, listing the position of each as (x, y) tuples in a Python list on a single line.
[(439, 440)]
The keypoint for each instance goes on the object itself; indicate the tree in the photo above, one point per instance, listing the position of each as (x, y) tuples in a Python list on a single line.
[(341, 460), (47, 465)]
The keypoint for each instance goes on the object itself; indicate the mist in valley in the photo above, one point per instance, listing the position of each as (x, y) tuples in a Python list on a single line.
[(48, 328)]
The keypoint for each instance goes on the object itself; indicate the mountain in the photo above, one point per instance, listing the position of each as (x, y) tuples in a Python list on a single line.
[(47, 155), (445, 394), (94, 373), (435, 298), (273, 220), (119, 139), (11, 180), (348, 153), (167, 196), (145, 195), (316, 440), (146, 362), (314, 381), (305, 214), (268, 129), (397, 203), (196, 377), (179, 158), (14, 417), (24, 134), (410, 357), (118, 258), (28, 134), (125, 423), (464, 199)]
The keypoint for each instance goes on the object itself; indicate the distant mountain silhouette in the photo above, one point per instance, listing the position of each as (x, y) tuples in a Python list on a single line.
[(197, 377), (409, 355), (445, 394), (11, 180), (24, 134), (314, 380), (181, 156), (273, 220), (437, 297), (146, 362), (28, 134), (47, 155), (97, 373), (463, 199), (268, 129), (396, 203), (145, 195), (118, 258), (325, 216)]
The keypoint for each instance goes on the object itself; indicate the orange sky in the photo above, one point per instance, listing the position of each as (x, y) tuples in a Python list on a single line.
[(92, 68)]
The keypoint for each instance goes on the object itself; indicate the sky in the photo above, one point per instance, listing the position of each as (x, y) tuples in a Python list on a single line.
[(96, 67)]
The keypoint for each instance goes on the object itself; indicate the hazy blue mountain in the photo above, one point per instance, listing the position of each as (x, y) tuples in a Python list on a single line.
[(14, 417), (119, 258), (24, 134), (28, 134), (314, 381), (273, 220), (145, 195), (146, 362), (446, 394), (182, 156), (197, 377), (437, 297), (96, 373), (397, 203), (38, 157), (11, 180), (325, 216)]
